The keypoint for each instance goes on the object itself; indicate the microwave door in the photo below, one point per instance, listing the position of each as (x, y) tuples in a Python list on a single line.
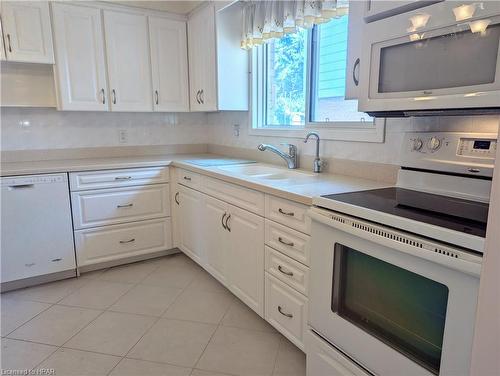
[(455, 67)]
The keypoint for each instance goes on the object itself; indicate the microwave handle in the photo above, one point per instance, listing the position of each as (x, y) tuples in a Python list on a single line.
[(338, 261)]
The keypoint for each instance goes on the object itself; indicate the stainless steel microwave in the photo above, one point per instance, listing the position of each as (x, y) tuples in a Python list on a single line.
[(440, 59)]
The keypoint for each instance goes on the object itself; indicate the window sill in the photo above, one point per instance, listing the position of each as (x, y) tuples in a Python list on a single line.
[(375, 133)]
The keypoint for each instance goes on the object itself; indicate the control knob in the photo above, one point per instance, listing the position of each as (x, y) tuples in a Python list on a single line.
[(416, 144), (433, 144)]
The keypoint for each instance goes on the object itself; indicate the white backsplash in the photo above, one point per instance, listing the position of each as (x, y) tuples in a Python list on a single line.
[(388, 152), (42, 128)]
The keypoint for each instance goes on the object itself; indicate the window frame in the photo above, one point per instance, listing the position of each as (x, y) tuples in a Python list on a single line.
[(335, 130)]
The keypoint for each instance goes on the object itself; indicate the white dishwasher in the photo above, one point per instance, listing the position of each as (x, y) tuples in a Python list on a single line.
[(36, 229)]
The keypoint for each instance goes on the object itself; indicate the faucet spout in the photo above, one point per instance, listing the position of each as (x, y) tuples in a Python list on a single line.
[(291, 158), (318, 164)]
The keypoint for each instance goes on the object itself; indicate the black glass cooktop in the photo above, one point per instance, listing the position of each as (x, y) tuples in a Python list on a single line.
[(448, 212)]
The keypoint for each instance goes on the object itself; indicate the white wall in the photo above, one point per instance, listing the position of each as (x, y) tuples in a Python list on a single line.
[(50, 129), (388, 152)]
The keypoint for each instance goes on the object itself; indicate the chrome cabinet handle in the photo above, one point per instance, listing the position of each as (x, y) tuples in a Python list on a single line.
[(280, 239), (201, 97), (198, 97), (176, 198), (113, 92), (103, 97), (187, 178), (125, 206), (354, 78), (8, 42), (227, 223), (290, 214), (222, 221), (280, 310), (156, 96), (56, 260), (127, 241), (280, 268), (123, 177)]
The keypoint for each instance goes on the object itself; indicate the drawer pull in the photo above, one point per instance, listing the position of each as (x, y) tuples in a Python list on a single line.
[(187, 178), (127, 241), (176, 198), (125, 206), (29, 265), (222, 221), (123, 177), (290, 214), (290, 244), (56, 260), (284, 271), (227, 223), (280, 310)]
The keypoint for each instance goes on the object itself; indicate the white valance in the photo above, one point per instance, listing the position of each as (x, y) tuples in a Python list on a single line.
[(267, 19)]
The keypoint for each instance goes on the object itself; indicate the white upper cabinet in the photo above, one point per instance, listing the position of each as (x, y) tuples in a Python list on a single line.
[(378, 9), (202, 67), (27, 31), (80, 68), (218, 67), (129, 67), (2, 46), (354, 48), (169, 64)]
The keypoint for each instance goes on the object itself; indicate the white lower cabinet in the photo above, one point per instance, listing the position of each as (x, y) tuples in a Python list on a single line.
[(190, 223), (286, 310), (120, 214), (325, 360), (109, 243), (214, 238), (246, 257), (234, 250)]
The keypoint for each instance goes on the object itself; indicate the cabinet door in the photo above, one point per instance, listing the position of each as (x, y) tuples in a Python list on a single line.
[(354, 48), (215, 238), (202, 60), (169, 64), (2, 46), (246, 257), (26, 25), (129, 68), (190, 224), (80, 64)]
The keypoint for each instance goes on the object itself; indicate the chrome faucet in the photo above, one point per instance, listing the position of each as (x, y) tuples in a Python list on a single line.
[(318, 163), (291, 158)]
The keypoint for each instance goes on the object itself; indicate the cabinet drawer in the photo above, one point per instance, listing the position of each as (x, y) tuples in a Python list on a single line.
[(293, 273), (110, 243), (117, 178), (189, 179), (241, 197), (286, 310), (290, 242), (288, 213), (119, 205), (324, 359)]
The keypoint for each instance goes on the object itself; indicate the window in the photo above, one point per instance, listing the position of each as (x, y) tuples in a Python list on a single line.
[(299, 83)]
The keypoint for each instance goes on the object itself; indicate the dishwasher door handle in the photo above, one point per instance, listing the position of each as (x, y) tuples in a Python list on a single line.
[(21, 186)]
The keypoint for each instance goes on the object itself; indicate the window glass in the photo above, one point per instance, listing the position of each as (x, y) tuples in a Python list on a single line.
[(285, 75), (329, 60)]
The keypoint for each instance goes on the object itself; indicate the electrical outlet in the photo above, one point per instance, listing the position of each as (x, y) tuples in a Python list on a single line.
[(123, 136)]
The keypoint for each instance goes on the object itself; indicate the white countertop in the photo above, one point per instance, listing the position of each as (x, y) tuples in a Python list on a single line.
[(303, 191)]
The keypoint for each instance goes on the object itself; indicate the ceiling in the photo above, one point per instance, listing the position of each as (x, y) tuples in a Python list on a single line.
[(174, 6)]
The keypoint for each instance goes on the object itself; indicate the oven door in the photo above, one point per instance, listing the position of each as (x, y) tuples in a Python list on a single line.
[(388, 301), (445, 56)]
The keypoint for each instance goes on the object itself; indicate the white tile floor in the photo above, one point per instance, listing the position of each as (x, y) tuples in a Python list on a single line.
[(165, 316)]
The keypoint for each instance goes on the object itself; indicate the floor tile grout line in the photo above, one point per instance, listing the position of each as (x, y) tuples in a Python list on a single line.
[(24, 323)]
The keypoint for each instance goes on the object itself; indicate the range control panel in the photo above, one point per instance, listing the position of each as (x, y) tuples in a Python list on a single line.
[(463, 153)]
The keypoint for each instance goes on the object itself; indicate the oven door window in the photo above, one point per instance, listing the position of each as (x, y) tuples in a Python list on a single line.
[(402, 309)]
